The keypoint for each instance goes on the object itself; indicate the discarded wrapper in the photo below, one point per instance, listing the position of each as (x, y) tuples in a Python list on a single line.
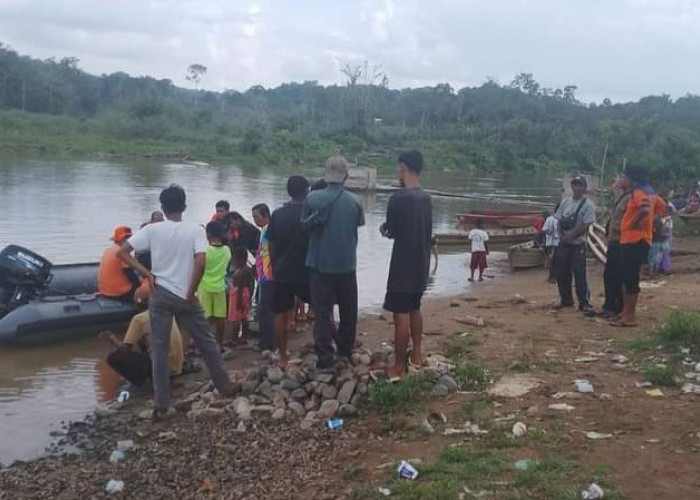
[(335, 423), (114, 486), (407, 471), (593, 492), (519, 429)]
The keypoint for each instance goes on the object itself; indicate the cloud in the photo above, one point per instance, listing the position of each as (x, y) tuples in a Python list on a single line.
[(622, 50)]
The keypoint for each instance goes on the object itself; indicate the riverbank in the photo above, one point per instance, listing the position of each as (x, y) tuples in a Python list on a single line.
[(644, 446)]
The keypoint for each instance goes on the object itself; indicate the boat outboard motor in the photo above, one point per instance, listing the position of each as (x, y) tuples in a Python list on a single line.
[(23, 274)]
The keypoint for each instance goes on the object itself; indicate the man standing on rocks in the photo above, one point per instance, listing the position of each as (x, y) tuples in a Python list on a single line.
[(288, 246), (178, 253), (332, 215), (409, 223)]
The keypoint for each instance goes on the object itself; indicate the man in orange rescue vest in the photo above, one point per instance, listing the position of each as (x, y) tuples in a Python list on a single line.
[(115, 279)]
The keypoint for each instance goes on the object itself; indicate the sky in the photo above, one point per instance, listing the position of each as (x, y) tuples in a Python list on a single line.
[(619, 49)]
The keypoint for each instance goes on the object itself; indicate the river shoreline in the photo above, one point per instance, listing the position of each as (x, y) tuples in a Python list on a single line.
[(521, 333)]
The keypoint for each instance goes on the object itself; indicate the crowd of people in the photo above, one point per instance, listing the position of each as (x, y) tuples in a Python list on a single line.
[(193, 279)]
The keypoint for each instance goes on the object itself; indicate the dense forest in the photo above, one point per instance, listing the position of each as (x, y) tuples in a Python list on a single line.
[(52, 106)]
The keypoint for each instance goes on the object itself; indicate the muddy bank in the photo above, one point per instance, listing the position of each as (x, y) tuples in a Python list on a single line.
[(650, 451)]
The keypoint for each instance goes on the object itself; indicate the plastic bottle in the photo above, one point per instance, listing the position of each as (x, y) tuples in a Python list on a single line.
[(593, 492)]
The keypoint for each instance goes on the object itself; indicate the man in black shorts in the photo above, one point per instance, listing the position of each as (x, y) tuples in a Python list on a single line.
[(288, 246), (409, 224)]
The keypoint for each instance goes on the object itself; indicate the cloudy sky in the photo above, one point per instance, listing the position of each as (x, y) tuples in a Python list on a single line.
[(622, 49)]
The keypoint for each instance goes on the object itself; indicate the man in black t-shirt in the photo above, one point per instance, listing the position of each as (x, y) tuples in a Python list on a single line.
[(409, 224), (288, 247)]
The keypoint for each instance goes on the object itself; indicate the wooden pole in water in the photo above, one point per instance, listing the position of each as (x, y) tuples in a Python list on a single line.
[(602, 166), (624, 163)]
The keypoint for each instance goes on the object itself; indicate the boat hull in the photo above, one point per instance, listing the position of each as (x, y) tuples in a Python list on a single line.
[(498, 236), (525, 256)]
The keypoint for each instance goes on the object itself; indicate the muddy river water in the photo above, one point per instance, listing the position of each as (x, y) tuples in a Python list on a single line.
[(66, 210)]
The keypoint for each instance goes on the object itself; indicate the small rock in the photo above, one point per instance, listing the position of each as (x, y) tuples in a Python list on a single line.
[(346, 392), (300, 376), (355, 358), (249, 386), (323, 378), (361, 388), (689, 388), (268, 355), (426, 428), (263, 409), (311, 404), (306, 425), (346, 375), (561, 407), (356, 400), (518, 299), (125, 445), (328, 409), (347, 410), (449, 382), (103, 411), (310, 387), (275, 375), (265, 388), (440, 390), (619, 358), (167, 436), (279, 401), (278, 414), (221, 403), (312, 415), (519, 429), (297, 409), (257, 399), (605, 397), (361, 370), (114, 486), (328, 392), (145, 414), (116, 456), (205, 413), (290, 385), (365, 360)]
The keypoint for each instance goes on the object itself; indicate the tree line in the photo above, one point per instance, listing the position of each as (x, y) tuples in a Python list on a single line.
[(515, 127)]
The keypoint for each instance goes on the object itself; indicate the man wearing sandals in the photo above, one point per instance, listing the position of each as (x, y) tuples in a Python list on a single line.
[(409, 224), (636, 233)]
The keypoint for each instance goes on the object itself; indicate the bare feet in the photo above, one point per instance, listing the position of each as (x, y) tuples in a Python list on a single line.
[(471, 280)]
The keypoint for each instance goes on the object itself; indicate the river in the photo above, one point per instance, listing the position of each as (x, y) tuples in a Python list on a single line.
[(66, 210)]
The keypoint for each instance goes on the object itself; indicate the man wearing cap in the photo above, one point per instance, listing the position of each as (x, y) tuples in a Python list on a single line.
[(636, 231), (116, 279), (574, 215), (332, 215)]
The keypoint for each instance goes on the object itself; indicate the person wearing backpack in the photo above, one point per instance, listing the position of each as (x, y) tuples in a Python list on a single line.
[(332, 216), (575, 215)]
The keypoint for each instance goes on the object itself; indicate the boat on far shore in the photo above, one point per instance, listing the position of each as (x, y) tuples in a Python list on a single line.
[(499, 219), (507, 236)]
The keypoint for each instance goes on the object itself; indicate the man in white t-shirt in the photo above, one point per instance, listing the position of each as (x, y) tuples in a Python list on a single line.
[(178, 253), (480, 249)]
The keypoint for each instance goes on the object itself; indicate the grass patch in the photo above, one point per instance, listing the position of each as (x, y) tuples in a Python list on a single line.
[(664, 375), (457, 348), (405, 396), (472, 376), (485, 469), (679, 328)]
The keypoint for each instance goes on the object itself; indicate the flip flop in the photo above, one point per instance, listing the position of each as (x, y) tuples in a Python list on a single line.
[(381, 376), (414, 368), (622, 324)]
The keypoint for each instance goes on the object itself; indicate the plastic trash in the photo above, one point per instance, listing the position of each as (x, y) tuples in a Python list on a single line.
[(689, 388), (561, 407), (593, 435), (125, 445), (335, 423), (593, 492), (519, 429), (407, 471), (384, 491), (114, 486), (117, 456), (123, 396), (583, 385), (525, 464)]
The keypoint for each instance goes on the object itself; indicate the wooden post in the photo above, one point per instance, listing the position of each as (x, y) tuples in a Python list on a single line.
[(602, 166)]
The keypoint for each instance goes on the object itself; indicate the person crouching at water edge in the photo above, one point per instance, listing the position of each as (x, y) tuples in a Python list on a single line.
[(132, 359), (178, 251), (478, 238), (409, 224)]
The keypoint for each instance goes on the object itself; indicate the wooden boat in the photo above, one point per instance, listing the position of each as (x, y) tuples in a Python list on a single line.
[(526, 255), (498, 219), (499, 236)]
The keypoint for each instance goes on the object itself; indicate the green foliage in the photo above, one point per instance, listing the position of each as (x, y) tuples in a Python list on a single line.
[(460, 347), (679, 328), (520, 127), (660, 375), (472, 376), (404, 396)]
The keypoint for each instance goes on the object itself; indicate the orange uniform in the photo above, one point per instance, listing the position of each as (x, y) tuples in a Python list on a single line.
[(639, 200), (111, 279)]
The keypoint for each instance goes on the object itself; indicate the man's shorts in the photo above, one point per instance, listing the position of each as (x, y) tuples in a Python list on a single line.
[(478, 261), (213, 303), (284, 296), (402, 302), (632, 257)]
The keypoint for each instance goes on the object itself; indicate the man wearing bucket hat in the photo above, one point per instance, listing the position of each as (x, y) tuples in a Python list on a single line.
[(116, 279), (575, 214), (331, 216)]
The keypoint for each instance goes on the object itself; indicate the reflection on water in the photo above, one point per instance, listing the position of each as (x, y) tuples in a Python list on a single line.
[(66, 211)]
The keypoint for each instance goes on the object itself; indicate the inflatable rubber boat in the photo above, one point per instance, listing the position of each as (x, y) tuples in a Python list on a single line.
[(41, 303)]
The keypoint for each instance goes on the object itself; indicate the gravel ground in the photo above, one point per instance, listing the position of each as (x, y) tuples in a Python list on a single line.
[(184, 459)]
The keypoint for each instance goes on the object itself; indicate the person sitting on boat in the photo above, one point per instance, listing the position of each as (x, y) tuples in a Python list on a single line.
[(115, 279), (132, 357)]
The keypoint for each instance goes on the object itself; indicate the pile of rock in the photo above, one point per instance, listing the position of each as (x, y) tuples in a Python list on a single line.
[(300, 393)]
